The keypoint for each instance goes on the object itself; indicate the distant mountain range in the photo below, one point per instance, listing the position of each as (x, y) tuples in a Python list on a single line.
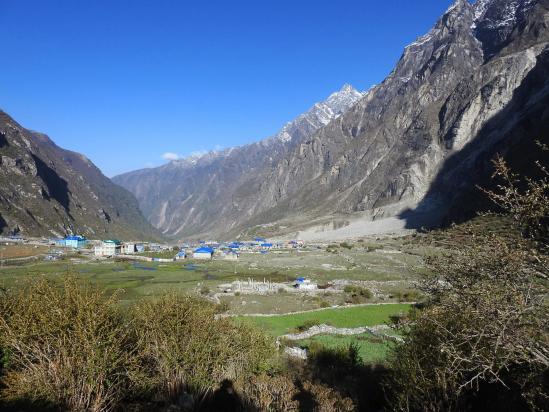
[(406, 152), (182, 197), (49, 191)]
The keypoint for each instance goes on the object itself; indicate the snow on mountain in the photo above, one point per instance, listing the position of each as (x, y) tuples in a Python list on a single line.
[(322, 113)]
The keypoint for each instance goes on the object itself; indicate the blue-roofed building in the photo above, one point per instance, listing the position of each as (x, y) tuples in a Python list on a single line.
[(267, 245), (75, 241), (260, 239), (204, 252)]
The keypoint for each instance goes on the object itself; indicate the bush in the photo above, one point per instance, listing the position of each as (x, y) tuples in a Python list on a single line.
[(269, 393), (346, 245), (69, 346), (185, 348), (406, 296), (358, 292), (308, 324), (481, 341)]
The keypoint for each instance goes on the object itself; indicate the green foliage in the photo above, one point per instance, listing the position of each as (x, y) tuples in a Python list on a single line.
[(406, 295), (308, 324), (358, 290), (346, 245)]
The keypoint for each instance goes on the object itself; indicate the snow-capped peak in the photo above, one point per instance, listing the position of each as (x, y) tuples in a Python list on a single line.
[(322, 112), (499, 13)]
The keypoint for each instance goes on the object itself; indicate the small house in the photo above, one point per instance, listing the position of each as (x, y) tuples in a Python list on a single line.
[(231, 255), (127, 248), (305, 284), (109, 247), (75, 242), (204, 252)]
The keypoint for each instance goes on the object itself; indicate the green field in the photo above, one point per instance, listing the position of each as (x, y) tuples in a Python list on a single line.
[(351, 317), (370, 349), (144, 280), (149, 279)]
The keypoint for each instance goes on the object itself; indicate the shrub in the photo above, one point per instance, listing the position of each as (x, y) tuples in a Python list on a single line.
[(308, 324), (481, 341), (346, 245), (324, 304), (358, 292), (184, 347), (269, 393), (406, 295), (525, 200), (204, 290), (327, 399), (68, 346)]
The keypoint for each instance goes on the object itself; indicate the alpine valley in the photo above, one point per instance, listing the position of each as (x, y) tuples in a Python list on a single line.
[(405, 154)]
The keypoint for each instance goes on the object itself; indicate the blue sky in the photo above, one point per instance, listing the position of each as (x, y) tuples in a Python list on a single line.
[(125, 81)]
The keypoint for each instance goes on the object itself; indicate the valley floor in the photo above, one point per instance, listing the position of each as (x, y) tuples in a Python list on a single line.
[(379, 273)]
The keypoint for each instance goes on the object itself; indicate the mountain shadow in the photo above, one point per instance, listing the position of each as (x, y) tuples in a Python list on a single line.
[(3, 224), (3, 140), (58, 187), (512, 133)]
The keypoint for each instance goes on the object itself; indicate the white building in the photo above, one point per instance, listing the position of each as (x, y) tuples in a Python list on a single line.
[(305, 284), (127, 248), (108, 248)]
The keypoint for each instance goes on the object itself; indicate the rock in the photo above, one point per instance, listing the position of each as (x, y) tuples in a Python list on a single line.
[(295, 352)]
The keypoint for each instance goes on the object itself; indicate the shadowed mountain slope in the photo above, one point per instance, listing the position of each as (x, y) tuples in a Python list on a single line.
[(46, 190)]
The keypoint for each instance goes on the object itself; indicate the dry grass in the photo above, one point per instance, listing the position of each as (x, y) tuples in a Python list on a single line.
[(187, 350), (20, 251), (66, 346)]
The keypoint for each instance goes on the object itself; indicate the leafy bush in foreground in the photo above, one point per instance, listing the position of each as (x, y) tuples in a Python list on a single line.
[(183, 347), (70, 346), (67, 346)]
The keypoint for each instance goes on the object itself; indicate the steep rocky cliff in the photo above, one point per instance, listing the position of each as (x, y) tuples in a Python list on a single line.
[(476, 84), (49, 191)]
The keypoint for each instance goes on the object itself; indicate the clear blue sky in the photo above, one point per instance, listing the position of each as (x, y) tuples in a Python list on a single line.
[(124, 81)]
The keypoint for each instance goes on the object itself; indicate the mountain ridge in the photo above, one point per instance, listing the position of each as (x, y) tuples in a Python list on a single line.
[(381, 157), (50, 191)]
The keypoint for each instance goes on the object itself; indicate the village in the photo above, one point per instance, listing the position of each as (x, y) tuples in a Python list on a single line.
[(232, 270), (351, 284), (104, 250)]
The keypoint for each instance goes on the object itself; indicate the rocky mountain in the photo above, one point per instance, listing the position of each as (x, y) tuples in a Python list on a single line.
[(403, 155), (181, 197), (49, 191)]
